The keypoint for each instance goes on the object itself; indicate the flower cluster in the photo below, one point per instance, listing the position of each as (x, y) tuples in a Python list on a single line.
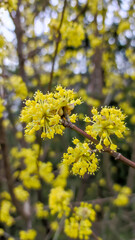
[(79, 224), (40, 211), (45, 171), (123, 26), (59, 200), (6, 209), (45, 111), (28, 235), (33, 168), (18, 86), (130, 55), (9, 4), (122, 198), (73, 33), (81, 158), (61, 179), (108, 122), (28, 175), (2, 41), (95, 41), (93, 5), (21, 194), (54, 225), (2, 108), (1, 232)]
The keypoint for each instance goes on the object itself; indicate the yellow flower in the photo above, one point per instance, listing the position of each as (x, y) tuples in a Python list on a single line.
[(18, 86), (61, 179), (87, 119), (9, 4), (81, 159), (45, 171), (54, 225), (116, 187), (45, 112), (106, 123), (31, 173), (79, 224), (99, 146), (59, 201), (5, 195), (19, 135), (75, 141), (73, 33), (28, 235), (1, 232), (126, 190), (30, 138), (2, 41), (102, 182), (122, 198), (5, 211), (2, 108), (40, 211), (123, 26), (73, 118), (97, 207), (21, 194)]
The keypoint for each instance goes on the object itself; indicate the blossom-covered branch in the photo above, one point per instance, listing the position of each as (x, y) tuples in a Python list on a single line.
[(42, 113), (116, 155)]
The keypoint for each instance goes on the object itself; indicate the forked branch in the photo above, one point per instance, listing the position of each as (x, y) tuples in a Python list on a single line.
[(116, 155)]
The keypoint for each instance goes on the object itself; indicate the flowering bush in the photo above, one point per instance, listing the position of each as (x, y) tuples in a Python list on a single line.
[(67, 114)]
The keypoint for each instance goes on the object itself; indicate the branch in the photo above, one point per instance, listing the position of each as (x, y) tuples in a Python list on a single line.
[(83, 10), (101, 200), (107, 172), (59, 230), (94, 236), (19, 34), (116, 155), (57, 45), (8, 175)]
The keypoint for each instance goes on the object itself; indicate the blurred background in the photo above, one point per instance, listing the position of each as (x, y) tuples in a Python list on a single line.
[(88, 46)]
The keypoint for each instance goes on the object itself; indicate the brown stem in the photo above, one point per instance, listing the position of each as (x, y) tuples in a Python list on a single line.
[(101, 200), (107, 171), (95, 85), (116, 155), (57, 45), (19, 34), (82, 188), (83, 10), (94, 236), (4, 151)]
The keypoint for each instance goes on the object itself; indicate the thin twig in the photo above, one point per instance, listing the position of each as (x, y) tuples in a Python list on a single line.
[(94, 236), (95, 201), (57, 45), (19, 31), (83, 10), (58, 231), (107, 171), (49, 235)]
